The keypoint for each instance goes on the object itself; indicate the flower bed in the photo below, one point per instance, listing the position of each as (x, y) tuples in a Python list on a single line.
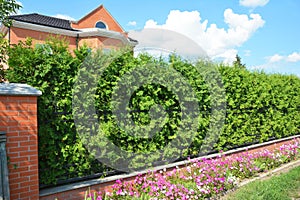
[(202, 178)]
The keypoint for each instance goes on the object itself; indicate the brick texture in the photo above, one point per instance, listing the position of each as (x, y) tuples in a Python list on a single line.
[(99, 14), (18, 119), (20, 34), (79, 194)]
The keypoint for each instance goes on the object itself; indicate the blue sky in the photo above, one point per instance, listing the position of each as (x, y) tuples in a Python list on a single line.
[(265, 33)]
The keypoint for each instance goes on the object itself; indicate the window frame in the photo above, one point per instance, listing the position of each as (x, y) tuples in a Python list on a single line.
[(106, 26)]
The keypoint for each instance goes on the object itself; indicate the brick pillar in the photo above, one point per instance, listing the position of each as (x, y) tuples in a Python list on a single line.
[(18, 119)]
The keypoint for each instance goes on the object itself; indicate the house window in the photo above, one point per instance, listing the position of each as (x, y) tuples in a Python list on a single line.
[(101, 25)]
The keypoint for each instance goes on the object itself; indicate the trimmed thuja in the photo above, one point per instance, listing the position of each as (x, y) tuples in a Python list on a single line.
[(259, 106)]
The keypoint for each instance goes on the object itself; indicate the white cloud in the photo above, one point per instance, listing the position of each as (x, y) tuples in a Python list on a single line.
[(166, 41), (228, 56), (275, 58), (253, 3), (279, 62), (132, 23), (294, 57), (282, 67), (61, 16), (150, 23), (217, 42)]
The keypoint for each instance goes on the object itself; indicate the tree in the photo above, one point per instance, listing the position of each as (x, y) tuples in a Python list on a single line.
[(7, 7), (3, 56), (238, 62)]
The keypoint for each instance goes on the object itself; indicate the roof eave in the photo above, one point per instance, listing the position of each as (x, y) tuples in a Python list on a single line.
[(90, 32), (42, 28), (77, 33)]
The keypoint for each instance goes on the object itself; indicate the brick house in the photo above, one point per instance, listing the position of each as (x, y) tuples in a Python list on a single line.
[(97, 29)]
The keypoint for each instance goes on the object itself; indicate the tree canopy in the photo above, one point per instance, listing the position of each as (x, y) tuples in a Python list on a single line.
[(238, 62), (8, 7)]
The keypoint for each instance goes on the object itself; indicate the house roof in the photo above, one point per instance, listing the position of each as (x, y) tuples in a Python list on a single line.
[(38, 19), (95, 11), (132, 40), (55, 25)]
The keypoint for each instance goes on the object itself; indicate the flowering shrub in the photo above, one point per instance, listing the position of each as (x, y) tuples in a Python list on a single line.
[(201, 178)]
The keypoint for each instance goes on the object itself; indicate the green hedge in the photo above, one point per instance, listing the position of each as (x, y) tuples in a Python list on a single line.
[(51, 68), (3, 55), (259, 106)]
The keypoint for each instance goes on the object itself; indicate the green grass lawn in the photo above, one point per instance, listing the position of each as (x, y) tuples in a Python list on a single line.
[(280, 187)]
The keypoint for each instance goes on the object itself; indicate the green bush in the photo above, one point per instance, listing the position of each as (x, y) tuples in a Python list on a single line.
[(51, 68), (259, 106), (3, 56)]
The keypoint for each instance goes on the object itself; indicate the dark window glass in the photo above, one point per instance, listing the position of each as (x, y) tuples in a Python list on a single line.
[(100, 25)]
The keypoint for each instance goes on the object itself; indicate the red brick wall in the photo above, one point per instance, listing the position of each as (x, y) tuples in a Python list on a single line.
[(20, 34), (99, 14), (18, 119), (100, 42), (78, 194)]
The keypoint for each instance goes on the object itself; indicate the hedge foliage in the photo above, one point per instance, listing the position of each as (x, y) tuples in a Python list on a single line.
[(3, 56), (51, 68), (259, 106)]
